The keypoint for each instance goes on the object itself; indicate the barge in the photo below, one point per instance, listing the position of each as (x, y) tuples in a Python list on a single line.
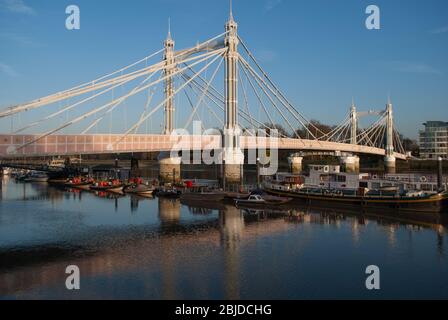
[(326, 184)]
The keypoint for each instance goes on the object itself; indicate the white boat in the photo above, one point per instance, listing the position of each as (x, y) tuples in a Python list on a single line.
[(257, 199), (37, 177), (253, 199)]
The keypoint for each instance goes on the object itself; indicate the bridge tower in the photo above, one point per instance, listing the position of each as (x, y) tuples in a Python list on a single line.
[(354, 124), (389, 159), (232, 155), (169, 86), (169, 170), (350, 162)]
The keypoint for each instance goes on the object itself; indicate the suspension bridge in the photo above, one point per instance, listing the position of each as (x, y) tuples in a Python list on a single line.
[(219, 78)]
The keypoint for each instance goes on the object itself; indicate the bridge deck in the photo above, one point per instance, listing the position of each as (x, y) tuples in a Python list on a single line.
[(109, 143)]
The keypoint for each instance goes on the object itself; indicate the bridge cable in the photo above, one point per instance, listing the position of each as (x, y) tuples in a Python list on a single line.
[(88, 114), (254, 74), (276, 107), (274, 85), (203, 94), (242, 114), (61, 95), (217, 53)]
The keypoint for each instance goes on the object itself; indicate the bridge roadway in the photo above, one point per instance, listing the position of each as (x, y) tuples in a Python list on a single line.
[(56, 145)]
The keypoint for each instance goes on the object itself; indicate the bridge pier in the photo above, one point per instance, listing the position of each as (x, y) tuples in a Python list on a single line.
[(233, 166), (390, 164), (350, 163), (233, 173), (295, 163), (169, 168)]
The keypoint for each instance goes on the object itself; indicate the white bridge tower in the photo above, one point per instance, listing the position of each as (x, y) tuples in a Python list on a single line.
[(232, 155)]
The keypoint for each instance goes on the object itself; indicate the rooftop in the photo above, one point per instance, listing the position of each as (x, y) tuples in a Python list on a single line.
[(436, 124)]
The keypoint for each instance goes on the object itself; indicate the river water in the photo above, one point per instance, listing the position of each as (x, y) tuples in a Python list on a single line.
[(140, 248)]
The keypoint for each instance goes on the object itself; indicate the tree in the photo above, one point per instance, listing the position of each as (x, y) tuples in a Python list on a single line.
[(281, 131), (412, 146), (314, 128)]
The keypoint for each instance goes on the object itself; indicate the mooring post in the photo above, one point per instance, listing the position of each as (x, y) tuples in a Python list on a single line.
[(440, 185)]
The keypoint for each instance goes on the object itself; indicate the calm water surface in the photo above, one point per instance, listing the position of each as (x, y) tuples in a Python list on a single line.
[(137, 248)]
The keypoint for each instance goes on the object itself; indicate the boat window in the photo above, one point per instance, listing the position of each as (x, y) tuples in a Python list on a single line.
[(341, 178)]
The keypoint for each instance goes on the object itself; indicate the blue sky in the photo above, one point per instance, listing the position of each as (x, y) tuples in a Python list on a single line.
[(319, 52)]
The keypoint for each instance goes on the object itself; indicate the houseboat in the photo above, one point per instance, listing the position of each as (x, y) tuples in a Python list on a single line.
[(403, 192)]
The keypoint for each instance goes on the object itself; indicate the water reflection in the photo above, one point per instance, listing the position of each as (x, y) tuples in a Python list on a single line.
[(164, 249), (169, 211), (135, 201)]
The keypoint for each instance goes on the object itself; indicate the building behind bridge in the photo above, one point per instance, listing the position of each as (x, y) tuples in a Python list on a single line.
[(433, 140)]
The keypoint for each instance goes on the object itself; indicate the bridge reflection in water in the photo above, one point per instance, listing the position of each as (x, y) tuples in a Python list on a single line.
[(162, 249)]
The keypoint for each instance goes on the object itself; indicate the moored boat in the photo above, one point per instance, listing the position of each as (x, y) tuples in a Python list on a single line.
[(168, 193), (232, 196), (57, 182), (109, 186), (325, 184), (139, 189), (21, 176), (430, 203), (79, 183), (259, 200), (36, 177), (203, 195)]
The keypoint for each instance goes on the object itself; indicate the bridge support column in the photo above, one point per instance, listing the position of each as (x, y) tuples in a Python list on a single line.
[(389, 159), (232, 155), (295, 163), (389, 164), (353, 125), (169, 168), (350, 163), (169, 70), (233, 165)]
